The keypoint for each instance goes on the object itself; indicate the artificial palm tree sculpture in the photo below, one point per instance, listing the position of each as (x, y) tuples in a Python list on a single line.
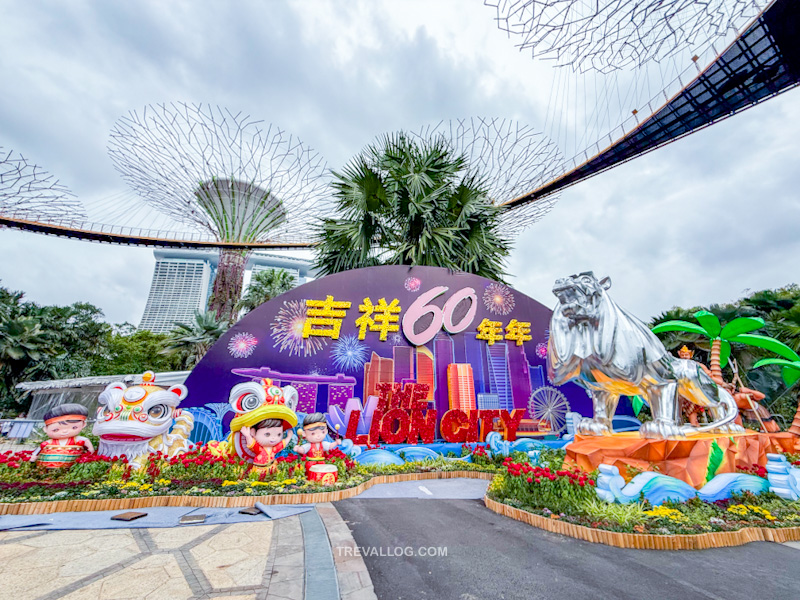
[(739, 331), (224, 174), (791, 375)]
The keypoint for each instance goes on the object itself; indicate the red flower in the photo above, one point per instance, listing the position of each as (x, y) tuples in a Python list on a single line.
[(530, 479)]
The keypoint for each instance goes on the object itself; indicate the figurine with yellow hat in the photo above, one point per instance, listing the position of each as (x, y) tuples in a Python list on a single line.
[(265, 412)]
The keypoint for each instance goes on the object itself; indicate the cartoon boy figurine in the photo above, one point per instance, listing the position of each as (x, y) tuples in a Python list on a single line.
[(62, 425), (265, 413), (315, 428)]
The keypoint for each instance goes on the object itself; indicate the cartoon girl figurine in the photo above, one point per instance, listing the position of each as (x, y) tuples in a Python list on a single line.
[(62, 425), (265, 414), (315, 428)]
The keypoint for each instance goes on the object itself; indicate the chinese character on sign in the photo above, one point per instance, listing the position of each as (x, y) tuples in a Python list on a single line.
[(385, 318), (518, 331), (324, 317), (491, 331)]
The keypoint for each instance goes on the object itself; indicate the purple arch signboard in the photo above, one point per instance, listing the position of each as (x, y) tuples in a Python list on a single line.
[(475, 343)]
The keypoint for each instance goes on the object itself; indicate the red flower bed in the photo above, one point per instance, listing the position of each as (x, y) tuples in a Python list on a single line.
[(553, 490), (535, 474), (755, 469)]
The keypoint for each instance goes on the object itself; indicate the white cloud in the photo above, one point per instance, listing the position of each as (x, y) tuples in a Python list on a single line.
[(693, 223)]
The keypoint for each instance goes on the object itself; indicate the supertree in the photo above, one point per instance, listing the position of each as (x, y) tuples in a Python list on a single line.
[(510, 156), (29, 192), (610, 34), (225, 174)]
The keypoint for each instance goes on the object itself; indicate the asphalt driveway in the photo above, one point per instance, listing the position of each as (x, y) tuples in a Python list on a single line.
[(489, 556)]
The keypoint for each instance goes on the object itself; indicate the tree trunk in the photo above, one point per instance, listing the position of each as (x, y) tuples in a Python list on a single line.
[(228, 284), (795, 428), (716, 370)]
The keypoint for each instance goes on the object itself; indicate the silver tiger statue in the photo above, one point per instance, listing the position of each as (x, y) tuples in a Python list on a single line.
[(609, 352)]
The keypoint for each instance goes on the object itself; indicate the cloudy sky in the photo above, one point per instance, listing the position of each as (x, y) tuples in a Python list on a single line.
[(697, 222)]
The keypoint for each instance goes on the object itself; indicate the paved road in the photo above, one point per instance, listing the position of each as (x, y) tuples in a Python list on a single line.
[(493, 557)]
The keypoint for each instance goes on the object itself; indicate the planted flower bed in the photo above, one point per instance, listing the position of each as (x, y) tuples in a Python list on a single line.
[(559, 492), (200, 472)]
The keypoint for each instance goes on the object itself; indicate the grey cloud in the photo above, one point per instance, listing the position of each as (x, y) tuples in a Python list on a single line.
[(69, 70)]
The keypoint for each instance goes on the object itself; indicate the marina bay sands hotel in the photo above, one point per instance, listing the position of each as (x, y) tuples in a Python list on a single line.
[(183, 280)]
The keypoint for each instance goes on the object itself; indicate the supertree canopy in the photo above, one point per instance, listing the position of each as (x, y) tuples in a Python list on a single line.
[(225, 174), (610, 34), (28, 192), (510, 156)]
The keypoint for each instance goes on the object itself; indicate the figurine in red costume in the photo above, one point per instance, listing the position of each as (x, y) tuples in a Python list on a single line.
[(261, 428), (265, 440), (62, 425), (315, 428)]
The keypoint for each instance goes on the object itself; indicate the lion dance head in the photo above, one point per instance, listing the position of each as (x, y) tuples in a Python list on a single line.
[(135, 420)]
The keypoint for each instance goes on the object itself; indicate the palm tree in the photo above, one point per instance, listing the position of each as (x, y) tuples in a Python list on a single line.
[(22, 340), (22, 344), (791, 375), (409, 202), (767, 302), (193, 340), (785, 325), (738, 330), (266, 285)]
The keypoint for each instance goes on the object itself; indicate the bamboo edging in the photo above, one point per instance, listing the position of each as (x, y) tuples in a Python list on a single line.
[(644, 541), (36, 508)]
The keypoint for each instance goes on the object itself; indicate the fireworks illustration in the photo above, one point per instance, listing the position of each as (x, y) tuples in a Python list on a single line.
[(412, 284), (287, 330), (348, 353), (242, 345), (541, 349), (397, 339), (498, 299)]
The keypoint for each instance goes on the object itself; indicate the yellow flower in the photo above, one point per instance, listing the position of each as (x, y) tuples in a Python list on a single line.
[(738, 509), (761, 511), (248, 490), (664, 512), (228, 482), (146, 487), (131, 484), (255, 483), (164, 481)]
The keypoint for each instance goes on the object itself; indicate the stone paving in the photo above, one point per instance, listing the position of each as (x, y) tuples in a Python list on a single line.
[(15, 445), (351, 571), (243, 561)]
